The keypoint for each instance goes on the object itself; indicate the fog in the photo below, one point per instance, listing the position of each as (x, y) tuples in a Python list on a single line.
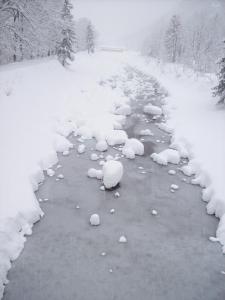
[(128, 22)]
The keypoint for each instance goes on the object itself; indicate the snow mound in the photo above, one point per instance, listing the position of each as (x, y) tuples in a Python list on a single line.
[(95, 220), (94, 173), (50, 172), (135, 145), (167, 156), (112, 173), (122, 239), (101, 146), (128, 153), (116, 137), (187, 170), (124, 110), (94, 156), (85, 132), (152, 109), (171, 172)]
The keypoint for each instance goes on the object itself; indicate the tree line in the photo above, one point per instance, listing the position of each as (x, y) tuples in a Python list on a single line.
[(39, 28)]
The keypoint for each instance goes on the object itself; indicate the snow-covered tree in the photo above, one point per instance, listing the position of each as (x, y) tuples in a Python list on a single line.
[(66, 49), (219, 90), (173, 39), (90, 38)]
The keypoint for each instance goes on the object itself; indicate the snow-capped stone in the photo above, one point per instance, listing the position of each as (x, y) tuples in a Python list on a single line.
[(101, 146), (136, 145), (94, 156), (213, 239), (102, 188), (122, 239), (116, 137), (60, 176), (40, 200), (146, 132), (124, 110), (174, 187), (50, 172), (171, 172), (81, 148), (95, 220), (187, 170), (166, 156), (58, 166), (117, 194), (112, 173), (112, 211), (45, 199), (152, 109), (128, 153), (94, 173), (66, 153), (154, 212)]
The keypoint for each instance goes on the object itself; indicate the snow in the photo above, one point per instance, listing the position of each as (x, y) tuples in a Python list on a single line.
[(112, 173), (94, 173), (166, 156), (124, 110), (95, 220), (146, 132), (152, 109), (135, 145), (50, 172), (101, 146), (116, 137), (174, 187), (172, 172), (94, 157), (122, 239), (154, 212), (81, 149)]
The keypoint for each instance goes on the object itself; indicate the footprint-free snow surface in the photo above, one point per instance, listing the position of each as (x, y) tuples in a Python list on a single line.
[(164, 255)]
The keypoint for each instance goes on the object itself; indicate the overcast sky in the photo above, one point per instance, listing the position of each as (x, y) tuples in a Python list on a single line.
[(120, 21)]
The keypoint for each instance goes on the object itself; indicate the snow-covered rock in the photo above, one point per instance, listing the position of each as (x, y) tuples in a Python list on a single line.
[(152, 109), (174, 187), (95, 220), (50, 172), (166, 156), (171, 172), (187, 170), (94, 173), (94, 157), (101, 146), (124, 110), (112, 211), (66, 153), (116, 137), (122, 239), (60, 176), (154, 212), (81, 148), (135, 145), (128, 153), (112, 173)]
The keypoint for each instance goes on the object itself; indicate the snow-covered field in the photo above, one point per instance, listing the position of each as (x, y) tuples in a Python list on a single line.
[(41, 104)]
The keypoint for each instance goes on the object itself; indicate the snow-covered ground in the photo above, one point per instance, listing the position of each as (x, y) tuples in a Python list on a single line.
[(41, 103)]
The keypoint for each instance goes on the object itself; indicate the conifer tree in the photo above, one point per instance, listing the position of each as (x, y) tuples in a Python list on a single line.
[(90, 38), (219, 90), (65, 49)]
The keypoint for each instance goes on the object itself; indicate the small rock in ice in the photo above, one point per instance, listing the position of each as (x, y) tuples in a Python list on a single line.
[(154, 212), (122, 239), (110, 270), (117, 194), (143, 172), (40, 200), (60, 176), (140, 168), (101, 156), (58, 166), (174, 187), (172, 191), (95, 220), (50, 172), (146, 132), (77, 207), (57, 179), (112, 211), (172, 172), (103, 254), (213, 239), (81, 148), (157, 141), (94, 156), (184, 179), (223, 272), (102, 188), (101, 146), (65, 153)]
